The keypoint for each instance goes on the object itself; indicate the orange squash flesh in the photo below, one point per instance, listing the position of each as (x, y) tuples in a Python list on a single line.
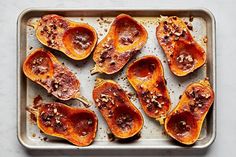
[(124, 39), (76, 40), (76, 125), (183, 53), (146, 75), (43, 68), (184, 123), (122, 117)]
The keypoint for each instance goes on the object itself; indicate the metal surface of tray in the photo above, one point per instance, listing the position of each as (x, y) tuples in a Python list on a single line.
[(152, 136)]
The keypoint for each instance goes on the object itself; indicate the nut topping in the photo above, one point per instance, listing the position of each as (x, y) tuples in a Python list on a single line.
[(39, 65), (81, 40), (124, 121), (152, 99), (199, 98), (185, 61)]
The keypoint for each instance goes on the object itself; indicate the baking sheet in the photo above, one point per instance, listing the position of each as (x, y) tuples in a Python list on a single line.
[(152, 135)]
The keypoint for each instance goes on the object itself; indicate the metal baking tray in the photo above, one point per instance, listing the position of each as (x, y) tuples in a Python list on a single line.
[(152, 136)]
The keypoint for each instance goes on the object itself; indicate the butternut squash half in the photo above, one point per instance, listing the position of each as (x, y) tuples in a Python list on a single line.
[(42, 67), (183, 53), (124, 39), (122, 117), (184, 123), (76, 125), (146, 75), (74, 39)]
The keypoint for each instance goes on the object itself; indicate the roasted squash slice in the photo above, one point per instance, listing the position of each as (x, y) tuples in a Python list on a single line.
[(146, 75), (125, 37), (76, 40), (42, 67), (184, 123), (183, 53), (122, 117), (76, 125)]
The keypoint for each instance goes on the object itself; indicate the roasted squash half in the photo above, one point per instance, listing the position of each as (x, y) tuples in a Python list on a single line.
[(74, 39), (76, 125), (122, 117), (124, 39), (42, 67), (146, 75), (184, 123), (183, 53)]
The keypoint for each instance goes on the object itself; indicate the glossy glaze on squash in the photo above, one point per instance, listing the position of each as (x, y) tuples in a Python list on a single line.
[(122, 117), (42, 67), (146, 76), (76, 125), (124, 39), (184, 123), (183, 53), (74, 39)]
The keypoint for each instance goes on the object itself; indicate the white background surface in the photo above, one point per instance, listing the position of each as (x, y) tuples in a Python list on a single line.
[(224, 11)]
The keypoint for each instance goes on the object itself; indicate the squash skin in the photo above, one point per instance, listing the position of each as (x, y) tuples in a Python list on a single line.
[(183, 53), (124, 39), (76, 40), (76, 125), (146, 76), (55, 75), (122, 117), (184, 123)]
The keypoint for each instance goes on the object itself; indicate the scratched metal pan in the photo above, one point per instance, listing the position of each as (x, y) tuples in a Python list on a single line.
[(152, 136)]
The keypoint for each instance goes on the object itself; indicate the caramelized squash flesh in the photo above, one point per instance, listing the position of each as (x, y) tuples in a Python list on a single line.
[(124, 39), (183, 53), (147, 78), (76, 40), (184, 123), (42, 67), (76, 125), (122, 117), (39, 65)]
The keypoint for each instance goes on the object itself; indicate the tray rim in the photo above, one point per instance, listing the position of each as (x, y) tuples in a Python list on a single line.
[(171, 9)]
